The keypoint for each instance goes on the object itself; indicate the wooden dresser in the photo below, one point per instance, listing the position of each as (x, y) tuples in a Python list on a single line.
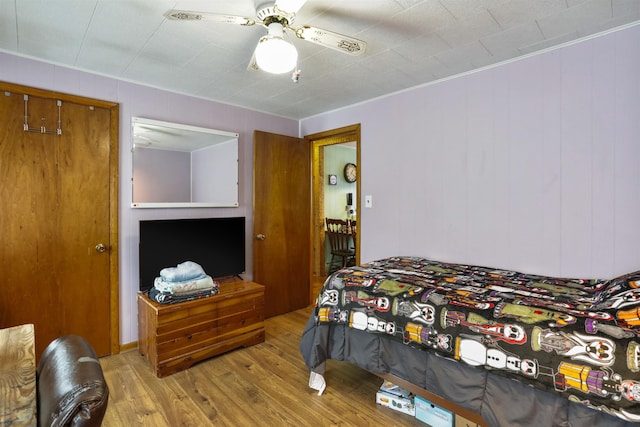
[(175, 336)]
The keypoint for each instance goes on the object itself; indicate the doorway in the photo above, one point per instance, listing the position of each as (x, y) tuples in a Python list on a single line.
[(320, 142)]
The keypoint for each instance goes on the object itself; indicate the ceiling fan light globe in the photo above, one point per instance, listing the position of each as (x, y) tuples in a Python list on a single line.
[(275, 55)]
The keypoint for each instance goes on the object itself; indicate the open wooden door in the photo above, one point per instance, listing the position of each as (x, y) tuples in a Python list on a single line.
[(281, 221), (58, 252)]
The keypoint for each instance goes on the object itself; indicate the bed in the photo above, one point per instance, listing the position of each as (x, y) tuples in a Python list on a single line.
[(515, 348)]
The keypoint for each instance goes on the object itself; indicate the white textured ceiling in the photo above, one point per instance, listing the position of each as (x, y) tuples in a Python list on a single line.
[(410, 43)]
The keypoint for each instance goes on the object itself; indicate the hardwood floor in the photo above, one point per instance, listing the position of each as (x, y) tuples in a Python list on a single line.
[(316, 285), (266, 384)]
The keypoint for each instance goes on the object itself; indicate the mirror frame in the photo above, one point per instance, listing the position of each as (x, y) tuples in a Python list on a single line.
[(182, 127)]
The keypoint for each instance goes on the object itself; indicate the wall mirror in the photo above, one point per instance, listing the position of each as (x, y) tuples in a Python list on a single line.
[(176, 165)]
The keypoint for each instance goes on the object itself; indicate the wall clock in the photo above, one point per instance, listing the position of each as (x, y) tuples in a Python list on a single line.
[(350, 172)]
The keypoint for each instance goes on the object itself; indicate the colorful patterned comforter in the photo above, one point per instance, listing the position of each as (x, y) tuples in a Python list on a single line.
[(576, 338)]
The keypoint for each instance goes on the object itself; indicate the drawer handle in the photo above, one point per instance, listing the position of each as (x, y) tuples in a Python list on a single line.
[(189, 337), (242, 321)]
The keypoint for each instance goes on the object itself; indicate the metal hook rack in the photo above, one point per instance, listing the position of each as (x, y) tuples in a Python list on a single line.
[(42, 128)]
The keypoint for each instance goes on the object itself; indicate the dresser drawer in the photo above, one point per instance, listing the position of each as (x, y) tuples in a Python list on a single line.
[(208, 328), (218, 310)]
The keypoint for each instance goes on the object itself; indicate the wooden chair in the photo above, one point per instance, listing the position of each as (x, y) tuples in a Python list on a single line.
[(341, 234)]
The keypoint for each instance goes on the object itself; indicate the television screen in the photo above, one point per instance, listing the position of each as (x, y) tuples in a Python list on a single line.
[(217, 244)]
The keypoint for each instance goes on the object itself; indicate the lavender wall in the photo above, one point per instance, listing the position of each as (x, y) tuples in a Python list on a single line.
[(137, 100), (531, 165)]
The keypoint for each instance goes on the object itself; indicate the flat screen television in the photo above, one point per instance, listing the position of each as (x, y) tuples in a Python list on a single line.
[(217, 244)]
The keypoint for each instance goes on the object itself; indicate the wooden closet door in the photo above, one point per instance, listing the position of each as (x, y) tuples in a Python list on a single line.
[(54, 192)]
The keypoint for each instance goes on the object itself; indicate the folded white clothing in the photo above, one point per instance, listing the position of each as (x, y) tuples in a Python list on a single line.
[(187, 270), (205, 282)]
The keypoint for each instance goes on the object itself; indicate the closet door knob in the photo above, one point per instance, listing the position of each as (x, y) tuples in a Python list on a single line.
[(261, 237), (101, 248)]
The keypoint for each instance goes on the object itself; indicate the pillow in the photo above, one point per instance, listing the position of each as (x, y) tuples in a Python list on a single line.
[(622, 291)]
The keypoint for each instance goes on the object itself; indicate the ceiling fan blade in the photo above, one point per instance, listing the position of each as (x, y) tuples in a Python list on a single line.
[(186, 15), (290, 6), (340, 42)]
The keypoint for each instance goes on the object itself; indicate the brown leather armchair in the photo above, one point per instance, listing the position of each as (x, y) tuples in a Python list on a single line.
[(71, 389)]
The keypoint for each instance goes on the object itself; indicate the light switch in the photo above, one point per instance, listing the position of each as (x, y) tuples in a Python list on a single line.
[(368, 201)]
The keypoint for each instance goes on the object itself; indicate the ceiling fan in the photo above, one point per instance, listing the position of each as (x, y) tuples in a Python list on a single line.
[(273, 53)]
